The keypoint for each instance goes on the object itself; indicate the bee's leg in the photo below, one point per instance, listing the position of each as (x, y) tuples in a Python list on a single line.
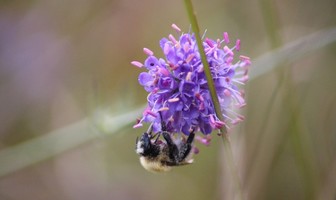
[(191, 136), (150, 129), (163, 124), (186, 148), (157, 135), (173, 150), (168, 138)]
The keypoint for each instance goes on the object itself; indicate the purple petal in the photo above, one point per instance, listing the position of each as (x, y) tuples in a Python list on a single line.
[(187, 88), (145, 79), (151, 62)]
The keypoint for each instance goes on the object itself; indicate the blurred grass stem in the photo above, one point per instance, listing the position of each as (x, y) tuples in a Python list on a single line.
[(61, 140), (272, 26), (294, 133)]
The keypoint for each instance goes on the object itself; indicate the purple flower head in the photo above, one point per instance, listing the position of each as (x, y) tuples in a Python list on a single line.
[(178, 88)]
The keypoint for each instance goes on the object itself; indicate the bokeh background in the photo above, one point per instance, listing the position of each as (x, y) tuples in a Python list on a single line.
[(62, 61)]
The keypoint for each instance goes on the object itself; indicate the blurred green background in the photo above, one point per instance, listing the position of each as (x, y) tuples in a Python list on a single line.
[(62, 61)]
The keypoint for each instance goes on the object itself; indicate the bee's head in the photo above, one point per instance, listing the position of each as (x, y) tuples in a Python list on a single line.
[(143, 145)]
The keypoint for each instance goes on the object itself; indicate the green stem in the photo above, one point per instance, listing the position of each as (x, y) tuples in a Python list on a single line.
[(213, 93), (226, 140)]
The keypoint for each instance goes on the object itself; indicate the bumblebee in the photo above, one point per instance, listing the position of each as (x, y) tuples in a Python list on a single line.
[(158, 155)]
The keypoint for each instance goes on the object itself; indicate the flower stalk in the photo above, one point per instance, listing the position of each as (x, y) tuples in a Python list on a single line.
[(213, 93), (228, 155)]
